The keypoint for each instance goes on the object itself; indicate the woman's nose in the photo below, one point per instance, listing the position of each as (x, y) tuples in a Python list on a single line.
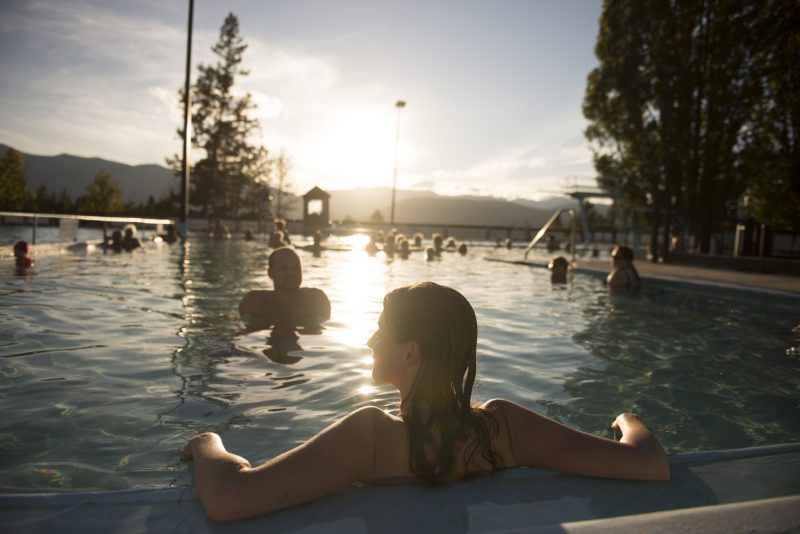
[(371, 340)]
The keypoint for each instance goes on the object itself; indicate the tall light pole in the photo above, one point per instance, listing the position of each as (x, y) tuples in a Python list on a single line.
[(183, 217), (399, 105)]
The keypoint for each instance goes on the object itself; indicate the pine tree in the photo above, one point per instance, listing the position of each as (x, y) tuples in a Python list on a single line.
[(103, 196), (14, 194), (222, 127)]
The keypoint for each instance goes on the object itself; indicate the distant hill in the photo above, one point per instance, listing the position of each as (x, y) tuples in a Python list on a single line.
[(428, 207), (72, 173)]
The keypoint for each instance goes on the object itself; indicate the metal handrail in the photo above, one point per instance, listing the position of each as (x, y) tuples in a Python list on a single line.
[(101, 218), (97, 218)]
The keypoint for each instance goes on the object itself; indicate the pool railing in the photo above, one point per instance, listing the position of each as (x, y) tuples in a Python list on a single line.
[(70, 217)]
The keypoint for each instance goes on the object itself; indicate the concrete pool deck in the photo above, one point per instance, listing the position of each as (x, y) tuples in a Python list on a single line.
[(745, 490), (705, 275), (771, 283)]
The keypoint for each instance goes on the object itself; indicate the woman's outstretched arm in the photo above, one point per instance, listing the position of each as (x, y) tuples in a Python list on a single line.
[(230, 489), (538, 441)]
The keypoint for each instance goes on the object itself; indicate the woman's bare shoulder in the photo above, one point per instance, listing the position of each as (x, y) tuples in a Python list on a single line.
[(392, 459)]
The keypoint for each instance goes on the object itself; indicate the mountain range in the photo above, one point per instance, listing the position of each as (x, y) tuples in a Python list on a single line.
[(73, 173)]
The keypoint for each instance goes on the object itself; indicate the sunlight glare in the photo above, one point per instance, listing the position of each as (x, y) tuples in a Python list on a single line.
[(365, 390), (357, 145), (357, 241), (363, 285)]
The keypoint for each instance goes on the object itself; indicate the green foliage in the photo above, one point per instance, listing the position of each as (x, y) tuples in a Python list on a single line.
[(772, 154), (103, 196), (51, 202), (231, 169), (694, 103), (376, 216), (14, 194)]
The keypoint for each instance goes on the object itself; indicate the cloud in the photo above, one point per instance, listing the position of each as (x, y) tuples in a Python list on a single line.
[(531, 171), (102, 78), (268, 106), (84, 78)]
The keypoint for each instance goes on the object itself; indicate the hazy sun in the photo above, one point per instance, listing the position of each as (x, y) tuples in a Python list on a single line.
[(357, 146)]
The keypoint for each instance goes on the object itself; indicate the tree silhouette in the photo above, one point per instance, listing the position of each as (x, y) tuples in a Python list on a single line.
[(695, 103), (103, 196), (222, 126), (14, 194)]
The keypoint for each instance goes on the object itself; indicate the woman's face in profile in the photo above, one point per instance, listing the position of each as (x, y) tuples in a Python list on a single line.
[(387, 355)]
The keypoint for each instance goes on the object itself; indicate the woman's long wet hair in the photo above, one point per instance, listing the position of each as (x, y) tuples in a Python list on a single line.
[(437, 411)]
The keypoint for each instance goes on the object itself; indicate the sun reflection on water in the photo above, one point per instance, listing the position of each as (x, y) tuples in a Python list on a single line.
[(366, 389), (359, 289)]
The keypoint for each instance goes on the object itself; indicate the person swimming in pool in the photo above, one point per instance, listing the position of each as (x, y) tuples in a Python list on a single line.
[(287, 302), (438, 241), (425, 346), (129, 240), (280, 226), (22, 260), (623, 275), (559, 266), (114, 242), (316, 247)]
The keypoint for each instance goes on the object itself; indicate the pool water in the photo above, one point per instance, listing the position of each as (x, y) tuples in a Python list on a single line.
[(110, 362)]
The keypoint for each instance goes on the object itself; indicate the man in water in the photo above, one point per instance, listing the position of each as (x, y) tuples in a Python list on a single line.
[(288, 303)]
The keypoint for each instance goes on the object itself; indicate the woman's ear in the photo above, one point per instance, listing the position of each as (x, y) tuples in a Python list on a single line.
[(413, 353)]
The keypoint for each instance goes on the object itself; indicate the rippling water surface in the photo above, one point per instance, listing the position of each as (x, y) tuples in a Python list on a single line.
[(110, 362)]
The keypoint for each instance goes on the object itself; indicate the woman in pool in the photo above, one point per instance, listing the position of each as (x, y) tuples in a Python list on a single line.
[(623, 275), (425, 346)]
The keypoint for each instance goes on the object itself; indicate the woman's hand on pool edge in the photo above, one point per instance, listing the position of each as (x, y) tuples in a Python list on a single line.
[(207, 444), (635, 434), (187, 454), (625, 421)]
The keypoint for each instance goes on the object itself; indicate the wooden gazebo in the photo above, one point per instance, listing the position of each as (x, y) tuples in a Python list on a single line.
[(316, 212)]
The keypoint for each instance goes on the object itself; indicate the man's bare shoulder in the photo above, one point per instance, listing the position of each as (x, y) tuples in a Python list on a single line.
[(313, 292), (255, 301), (317, 302)]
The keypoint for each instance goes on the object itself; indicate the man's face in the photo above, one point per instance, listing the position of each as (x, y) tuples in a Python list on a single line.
[(286, 271)]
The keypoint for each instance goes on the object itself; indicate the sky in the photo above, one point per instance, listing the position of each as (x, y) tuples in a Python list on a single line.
[(493, 88)]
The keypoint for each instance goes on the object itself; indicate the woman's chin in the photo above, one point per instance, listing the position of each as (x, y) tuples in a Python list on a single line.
[(378, 378)]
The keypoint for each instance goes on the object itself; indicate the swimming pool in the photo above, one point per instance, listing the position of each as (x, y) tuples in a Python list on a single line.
[(110, 362)]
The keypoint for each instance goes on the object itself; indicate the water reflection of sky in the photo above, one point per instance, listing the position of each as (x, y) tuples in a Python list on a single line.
[(127, 355)]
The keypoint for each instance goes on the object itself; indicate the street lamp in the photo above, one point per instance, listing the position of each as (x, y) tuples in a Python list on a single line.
[(399, 105)]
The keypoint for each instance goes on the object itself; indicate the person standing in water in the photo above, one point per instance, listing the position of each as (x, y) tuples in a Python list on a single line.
[(425, 346), (558, 270), (287, 302), (623, 275), (22, 259)]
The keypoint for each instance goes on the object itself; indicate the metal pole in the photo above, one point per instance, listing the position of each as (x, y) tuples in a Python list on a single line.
[(187, 101), (399, 105), (572, 234)]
